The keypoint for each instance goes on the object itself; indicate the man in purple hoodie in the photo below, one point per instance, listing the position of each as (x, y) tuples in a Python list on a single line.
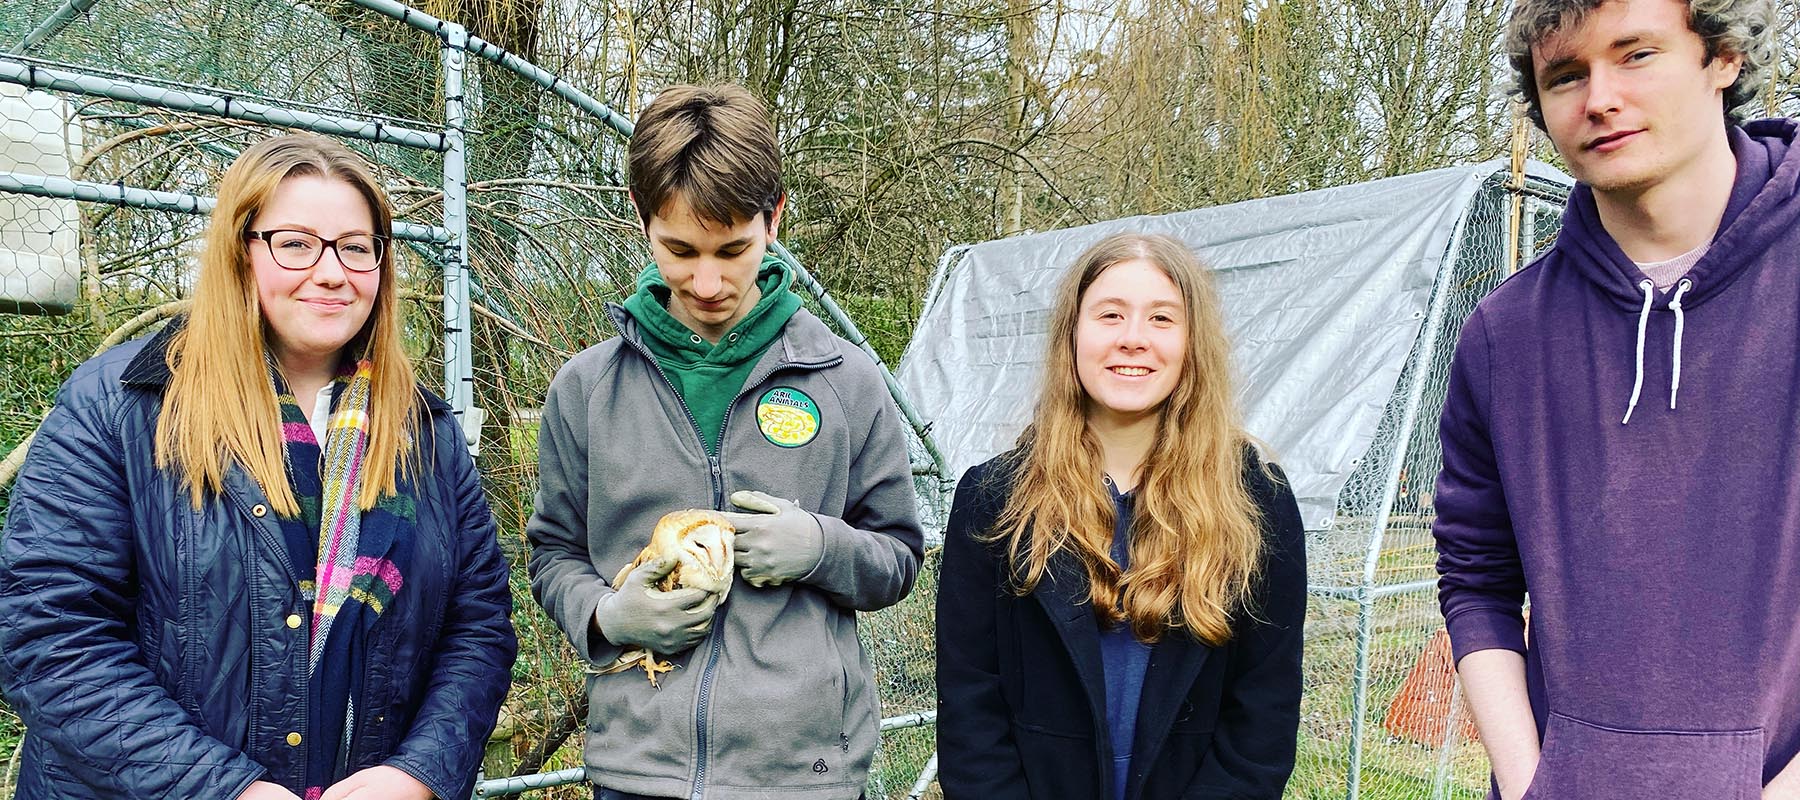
[(1622, 434)]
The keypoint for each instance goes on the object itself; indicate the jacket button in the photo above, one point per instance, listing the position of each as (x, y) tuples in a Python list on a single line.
[(259, 510), (293, 740), (293, 620)]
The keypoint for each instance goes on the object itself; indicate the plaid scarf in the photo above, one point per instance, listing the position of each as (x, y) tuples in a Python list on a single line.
[(349, 561)]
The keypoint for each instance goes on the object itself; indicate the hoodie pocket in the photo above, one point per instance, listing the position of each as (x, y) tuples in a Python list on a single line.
[(1583, 761)]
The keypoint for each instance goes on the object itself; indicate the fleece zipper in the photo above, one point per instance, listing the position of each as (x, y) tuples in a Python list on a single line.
[(715, 467)]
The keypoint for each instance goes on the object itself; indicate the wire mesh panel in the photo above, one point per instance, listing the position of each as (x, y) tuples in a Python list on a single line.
[(40, 266), (1382, 715)]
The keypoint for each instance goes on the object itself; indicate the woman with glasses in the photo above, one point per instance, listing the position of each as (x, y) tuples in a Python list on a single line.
[(1121, 598), (248, 556)]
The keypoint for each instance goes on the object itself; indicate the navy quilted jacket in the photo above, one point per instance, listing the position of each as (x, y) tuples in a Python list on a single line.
[(155, 650)]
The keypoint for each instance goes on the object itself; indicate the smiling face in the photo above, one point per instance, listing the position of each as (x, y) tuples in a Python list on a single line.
[(312, 313), (710, 267), (1130, 338), (1629, 97)]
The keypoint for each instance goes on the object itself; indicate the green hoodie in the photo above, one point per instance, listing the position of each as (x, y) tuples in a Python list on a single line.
[(707, 376)]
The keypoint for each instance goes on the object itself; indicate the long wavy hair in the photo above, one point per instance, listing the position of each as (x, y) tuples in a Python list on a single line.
[(1196, 536), (220, 406)]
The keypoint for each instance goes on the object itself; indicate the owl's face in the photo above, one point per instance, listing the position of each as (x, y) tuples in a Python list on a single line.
[(704, 560)]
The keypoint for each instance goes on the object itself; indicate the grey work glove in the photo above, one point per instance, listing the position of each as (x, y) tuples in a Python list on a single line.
[(778, 544), (637, 614)]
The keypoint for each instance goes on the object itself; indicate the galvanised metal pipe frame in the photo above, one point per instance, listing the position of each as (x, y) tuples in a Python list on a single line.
[(501, 787), (856, 337), (177, 202), (417, 235), (459, 348), (500, 56), (32, 73), (53, 24), (1367, 593)]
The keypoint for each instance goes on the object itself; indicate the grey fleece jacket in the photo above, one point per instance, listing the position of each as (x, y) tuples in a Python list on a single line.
[(779, 700)]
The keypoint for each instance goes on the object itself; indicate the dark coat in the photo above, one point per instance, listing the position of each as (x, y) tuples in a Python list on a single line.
[(1021, 699), (149, 646)]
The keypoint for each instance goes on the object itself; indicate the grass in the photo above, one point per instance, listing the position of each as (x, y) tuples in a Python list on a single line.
[(12, 732), (900, 640), (1392, 768)]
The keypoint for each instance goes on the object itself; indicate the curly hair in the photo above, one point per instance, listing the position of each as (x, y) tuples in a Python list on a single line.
[(1739, 27)]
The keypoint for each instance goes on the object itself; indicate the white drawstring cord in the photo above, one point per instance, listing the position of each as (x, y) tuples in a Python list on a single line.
[(1675, 306), (1637, 386)]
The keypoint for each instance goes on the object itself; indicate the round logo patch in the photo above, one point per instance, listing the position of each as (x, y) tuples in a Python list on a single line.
[(787, 417)]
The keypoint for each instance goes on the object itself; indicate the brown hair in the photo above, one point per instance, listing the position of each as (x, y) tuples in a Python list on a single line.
[(1196, 535), (1735, 27), (713, 145), (220, 405)]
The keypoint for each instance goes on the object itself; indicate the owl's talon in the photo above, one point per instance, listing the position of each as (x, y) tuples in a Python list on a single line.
[(652, 668)]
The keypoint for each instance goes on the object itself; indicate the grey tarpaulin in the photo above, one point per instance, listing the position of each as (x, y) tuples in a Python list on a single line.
[(1324, 292)]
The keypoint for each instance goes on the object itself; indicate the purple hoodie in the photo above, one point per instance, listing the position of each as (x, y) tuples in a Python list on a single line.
[(1662, 555)]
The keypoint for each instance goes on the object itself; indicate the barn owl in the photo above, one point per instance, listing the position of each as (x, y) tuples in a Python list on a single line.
[(701, 541)]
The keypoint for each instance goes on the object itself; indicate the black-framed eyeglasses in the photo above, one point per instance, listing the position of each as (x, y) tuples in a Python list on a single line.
[(297, 250)]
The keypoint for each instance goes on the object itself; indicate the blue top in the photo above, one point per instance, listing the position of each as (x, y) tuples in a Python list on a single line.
[(1124, 658)]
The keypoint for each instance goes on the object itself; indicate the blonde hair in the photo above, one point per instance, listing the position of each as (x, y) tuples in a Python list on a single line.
[(220, 405), (1196, 534)]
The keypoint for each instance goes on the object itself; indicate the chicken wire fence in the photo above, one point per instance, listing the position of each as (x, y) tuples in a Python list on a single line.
[(1382, 715), (120, 115)]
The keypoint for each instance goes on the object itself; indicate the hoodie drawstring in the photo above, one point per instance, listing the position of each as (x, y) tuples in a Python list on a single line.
[(1675, 306), (1637, 384)]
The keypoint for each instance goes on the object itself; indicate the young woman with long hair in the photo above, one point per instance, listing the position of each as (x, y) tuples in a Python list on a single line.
[(248, 556), (1121, 598)]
